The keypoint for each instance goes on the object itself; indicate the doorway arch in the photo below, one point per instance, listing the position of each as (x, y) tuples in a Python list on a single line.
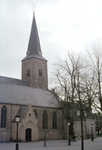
[(28, 134)]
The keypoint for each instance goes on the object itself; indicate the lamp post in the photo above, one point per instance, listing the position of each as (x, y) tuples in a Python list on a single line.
[(85, 123), (45, 139), (17, 118), (69, 133), (92, 131)]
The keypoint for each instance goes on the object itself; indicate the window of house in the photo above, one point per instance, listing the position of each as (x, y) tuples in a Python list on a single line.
[(54, 120), (3, 116), (40, 72), (75, 126), (45, 120), (85, 113), (79, 126), (78, 113), (28, 73)]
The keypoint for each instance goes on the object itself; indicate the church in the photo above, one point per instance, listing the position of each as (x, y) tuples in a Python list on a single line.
[(38, 107)]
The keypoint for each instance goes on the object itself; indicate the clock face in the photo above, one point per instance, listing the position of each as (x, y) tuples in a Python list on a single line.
[(40, 53)]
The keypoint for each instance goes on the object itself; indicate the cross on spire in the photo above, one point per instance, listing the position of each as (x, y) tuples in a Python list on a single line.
[(33, 10)]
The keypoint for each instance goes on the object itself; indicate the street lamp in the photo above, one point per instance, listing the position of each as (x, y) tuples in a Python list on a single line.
[(69, 133), (92, 131), (17, 118), (45, 139)]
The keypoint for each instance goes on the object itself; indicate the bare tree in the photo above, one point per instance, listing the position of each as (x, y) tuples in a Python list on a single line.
[(71, 89), (66, 75), (95, 64), (66, 88)]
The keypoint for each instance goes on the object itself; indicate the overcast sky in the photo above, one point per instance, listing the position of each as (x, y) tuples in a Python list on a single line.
[(63, 25)]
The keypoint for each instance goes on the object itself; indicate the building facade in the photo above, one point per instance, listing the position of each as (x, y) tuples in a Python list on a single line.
[(30, 98), (89, 127)]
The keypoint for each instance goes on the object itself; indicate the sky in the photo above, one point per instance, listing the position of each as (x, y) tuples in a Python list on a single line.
[(63, 25)]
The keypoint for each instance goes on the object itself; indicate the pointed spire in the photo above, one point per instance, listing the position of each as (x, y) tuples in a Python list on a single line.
[(34, 49), (34, 43)]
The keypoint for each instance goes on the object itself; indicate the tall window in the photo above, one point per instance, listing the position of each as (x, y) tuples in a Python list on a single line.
[(45, 120), (54, 120), (28, 73), (35, 112), (3, 117)]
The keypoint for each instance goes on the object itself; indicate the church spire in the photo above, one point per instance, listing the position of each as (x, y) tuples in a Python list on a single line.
[(34, 49), (34, 43), (34, 65)]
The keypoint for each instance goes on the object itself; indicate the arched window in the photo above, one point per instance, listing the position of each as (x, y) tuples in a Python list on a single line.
[(45, 120), (54, 120), (35, 112), (3, 117)]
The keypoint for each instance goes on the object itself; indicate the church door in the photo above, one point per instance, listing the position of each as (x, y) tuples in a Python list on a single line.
[(28, 135)]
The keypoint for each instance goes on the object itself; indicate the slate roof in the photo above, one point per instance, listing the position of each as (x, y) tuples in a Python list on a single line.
[(34, 44), (13, 81), (14, 91), (21, 112)]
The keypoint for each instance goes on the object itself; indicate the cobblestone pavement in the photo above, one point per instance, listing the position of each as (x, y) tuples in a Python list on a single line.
[(54, 145)]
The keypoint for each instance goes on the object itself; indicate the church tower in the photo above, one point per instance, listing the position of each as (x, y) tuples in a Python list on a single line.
[(34, 65)]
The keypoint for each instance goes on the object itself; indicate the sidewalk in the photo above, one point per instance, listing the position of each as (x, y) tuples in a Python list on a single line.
[(55, 145)]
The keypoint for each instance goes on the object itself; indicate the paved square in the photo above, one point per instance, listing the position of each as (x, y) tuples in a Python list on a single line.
[(54, 145)]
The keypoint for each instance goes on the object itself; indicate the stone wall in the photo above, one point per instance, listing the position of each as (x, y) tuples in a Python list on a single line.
[(50, 132), (30, 121), (86, 128), (34, 79), (77, 129), (5, 133), (89, 122)]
